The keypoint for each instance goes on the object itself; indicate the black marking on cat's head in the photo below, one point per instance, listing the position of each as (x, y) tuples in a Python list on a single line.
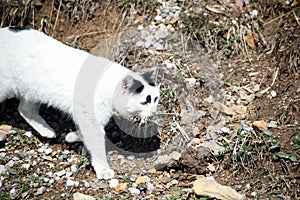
[(132, 85), (150, 76), (17, 29)]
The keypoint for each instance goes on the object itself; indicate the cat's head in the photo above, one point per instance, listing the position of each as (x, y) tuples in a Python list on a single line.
[(138, 95)]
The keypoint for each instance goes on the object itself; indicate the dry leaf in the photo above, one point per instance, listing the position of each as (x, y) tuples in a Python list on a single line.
[(261, 125), (175, 19), (225, 109), (294, 3), (122, 187), (250, 40), (140, 180)]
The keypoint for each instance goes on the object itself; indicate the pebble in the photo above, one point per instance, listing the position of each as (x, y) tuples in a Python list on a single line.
[(113, 183), (225, 130), (2, 169), (40, 190), (26, 166), (273, 93), (134, 191), (71, 183), (13, 193), (74, 168), (150, 186), (60, 173), (28, 134)]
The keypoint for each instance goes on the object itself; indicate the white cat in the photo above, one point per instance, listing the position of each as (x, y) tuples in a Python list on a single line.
[(41, 70)]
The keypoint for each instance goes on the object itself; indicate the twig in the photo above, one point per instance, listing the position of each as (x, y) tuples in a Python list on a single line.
[(274, 78), (278, 17), (183, 133), (296, 17), (56, 19), (84, 34)]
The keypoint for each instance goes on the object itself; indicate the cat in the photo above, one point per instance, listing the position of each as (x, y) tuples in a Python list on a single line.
[(38, 69)]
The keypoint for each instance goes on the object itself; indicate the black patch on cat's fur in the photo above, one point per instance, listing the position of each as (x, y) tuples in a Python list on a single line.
[(152, 84), (17, 29)]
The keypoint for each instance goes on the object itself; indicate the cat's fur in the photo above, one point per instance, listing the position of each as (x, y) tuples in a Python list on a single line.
[(41, 70)]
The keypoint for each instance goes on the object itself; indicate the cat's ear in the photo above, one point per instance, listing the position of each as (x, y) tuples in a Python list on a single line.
[(132, 85), (150, 76)]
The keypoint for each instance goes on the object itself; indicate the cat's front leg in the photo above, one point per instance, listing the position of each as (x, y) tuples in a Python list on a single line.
[(95, 143)]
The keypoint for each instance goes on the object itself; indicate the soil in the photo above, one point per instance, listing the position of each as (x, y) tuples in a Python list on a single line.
[(91, 24)]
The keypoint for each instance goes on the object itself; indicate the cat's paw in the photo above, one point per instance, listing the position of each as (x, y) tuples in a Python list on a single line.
[(72, 137), (105, 173), (48, 133)]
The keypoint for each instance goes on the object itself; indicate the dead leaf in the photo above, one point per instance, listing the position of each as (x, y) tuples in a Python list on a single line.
[(122, 187), (294, 3), (224, 109), (261, 125), (175, 19), (250, 40), (140, 180), (240, 110), (209, 187)]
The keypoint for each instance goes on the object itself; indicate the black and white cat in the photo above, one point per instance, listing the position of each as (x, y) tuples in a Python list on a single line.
[(41, 70)]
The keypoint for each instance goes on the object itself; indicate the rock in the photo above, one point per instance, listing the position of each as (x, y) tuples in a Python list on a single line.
[(190, 81), (71, 183), (2, 136), (239, 110), (80, 196), (209, 187), (162, 32), (48, 151), (158, 18), (225, 130), (13, 193), (149, 40), (134, 191), (60, 173), (122, 187), (175, 155), (26, 166), (261, 125), (272, 124), (158, 46), (141, 180), (2, 169), (28, 134), (273, 93), (214, 147), (74, 168), (40, 190), (5, 127), (209, 99), (113, 183)]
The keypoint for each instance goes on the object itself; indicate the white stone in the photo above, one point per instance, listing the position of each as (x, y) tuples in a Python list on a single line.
[(131, 157), (28, 134), (150, 186), (40, 190), (273, 93), (2, 169), (74, 168), (134, 191), (190, 81), (158, 18), (71, 183), (26, 166), (79, 196), (225, 130), (48, 151), (113, 183), (60, 173)]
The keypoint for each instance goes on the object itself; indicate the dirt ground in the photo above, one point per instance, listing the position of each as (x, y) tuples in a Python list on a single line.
[(256, 70)]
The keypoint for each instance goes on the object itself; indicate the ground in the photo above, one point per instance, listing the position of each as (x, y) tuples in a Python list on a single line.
[(229, 73)]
